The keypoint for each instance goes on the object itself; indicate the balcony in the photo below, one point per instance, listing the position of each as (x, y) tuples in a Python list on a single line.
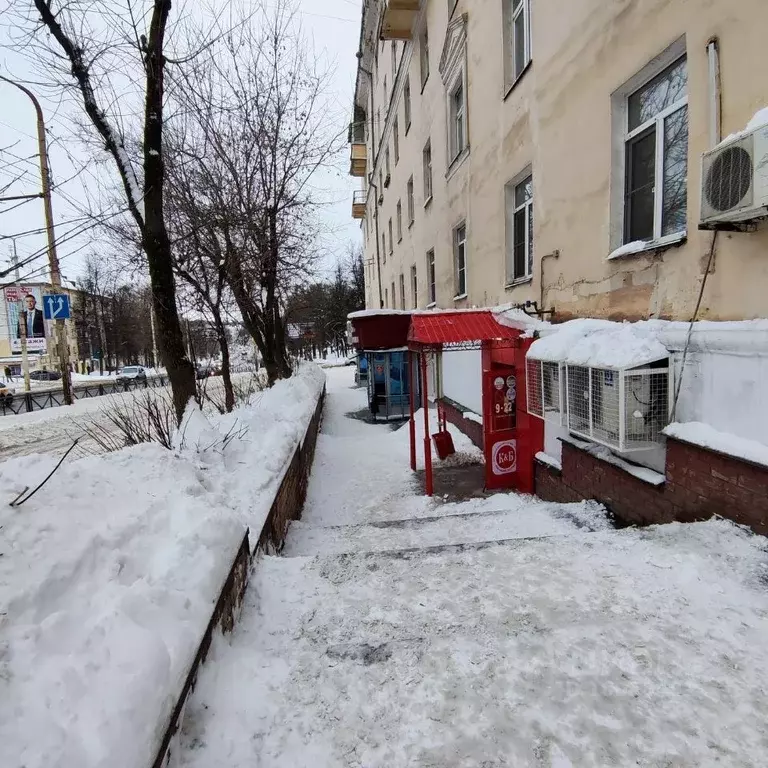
[(397, 22), (358, 204), (358, 158)]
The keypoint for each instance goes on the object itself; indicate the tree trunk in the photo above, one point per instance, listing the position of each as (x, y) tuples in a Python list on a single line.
[(226, 373), (156, 243)]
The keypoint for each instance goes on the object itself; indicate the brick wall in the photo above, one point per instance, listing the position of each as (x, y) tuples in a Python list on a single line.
[(471, 429), (292, 492), (699, 483)]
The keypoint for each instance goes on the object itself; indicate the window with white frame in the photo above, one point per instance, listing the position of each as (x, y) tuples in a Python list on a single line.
[(402, 291), (431, 287), (424, 55), (517, 39), (460, 259), (458, 119), (394, 296), (391, 242), (414, 287), (407, 103), (519, 224), (411, 207), (656, 156), (399, 221), (426, 157), (386, 298)]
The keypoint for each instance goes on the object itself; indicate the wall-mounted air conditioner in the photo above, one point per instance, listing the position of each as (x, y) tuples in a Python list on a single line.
[(734, 180)]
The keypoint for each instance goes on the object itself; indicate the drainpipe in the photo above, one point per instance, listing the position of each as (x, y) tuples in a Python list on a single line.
[(555, 254), (715, 119), (372, 183)]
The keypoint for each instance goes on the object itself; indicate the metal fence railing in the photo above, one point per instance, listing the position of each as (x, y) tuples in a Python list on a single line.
[(26, 402)]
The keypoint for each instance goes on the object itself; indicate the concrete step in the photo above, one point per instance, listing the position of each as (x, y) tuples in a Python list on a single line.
[(496, 518)]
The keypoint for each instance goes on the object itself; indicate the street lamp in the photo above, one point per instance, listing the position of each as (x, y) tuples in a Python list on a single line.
[(62, 342)]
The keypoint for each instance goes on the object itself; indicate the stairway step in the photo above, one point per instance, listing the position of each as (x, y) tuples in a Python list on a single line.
[(482, 524)]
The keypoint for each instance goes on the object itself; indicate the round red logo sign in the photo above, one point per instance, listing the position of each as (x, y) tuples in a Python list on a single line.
[(504, 457)]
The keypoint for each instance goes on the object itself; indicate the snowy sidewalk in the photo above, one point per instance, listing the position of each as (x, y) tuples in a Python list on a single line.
[(399, 631)]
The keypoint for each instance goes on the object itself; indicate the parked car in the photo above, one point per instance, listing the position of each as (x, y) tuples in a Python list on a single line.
[(6, 394), (45, 375), (132, 373)]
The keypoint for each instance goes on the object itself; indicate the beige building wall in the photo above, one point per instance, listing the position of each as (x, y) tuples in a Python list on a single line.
[(560, 120)]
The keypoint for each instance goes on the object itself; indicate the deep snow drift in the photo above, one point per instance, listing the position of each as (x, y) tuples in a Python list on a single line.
[(109, 574)]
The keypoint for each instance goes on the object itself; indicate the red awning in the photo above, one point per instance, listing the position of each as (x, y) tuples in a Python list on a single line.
[(433, 329)]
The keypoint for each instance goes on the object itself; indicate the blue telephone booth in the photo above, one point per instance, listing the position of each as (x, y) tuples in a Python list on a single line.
[(389, 384)]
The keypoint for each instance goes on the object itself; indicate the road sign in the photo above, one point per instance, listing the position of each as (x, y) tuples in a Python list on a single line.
[(56, 306)]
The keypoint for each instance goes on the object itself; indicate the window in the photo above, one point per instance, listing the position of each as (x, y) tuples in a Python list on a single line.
[(424, 56), (381, 187), (399, 221), (458, 127), (394, 61), (394, 296), (396, 140), (519, 222), (517, 39), (407, 102), (460, 259), (431, 293), (414, 287), (386, 167), (391, 242), (386, 297), (427, 162), (656, 156), (402, 291), (409, 195)]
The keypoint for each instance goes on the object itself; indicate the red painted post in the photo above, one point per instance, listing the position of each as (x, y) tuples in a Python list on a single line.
[(427, 439), (412, 381)]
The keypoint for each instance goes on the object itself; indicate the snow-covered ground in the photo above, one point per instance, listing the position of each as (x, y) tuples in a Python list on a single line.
[(109, 575), (400, 631)]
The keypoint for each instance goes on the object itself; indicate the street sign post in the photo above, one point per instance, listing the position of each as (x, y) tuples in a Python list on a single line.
[(56, 306)]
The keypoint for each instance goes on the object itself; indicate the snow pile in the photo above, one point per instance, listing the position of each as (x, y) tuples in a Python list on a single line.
[(636, 246), (600, 344), (109, 575), (759, 120), (513, 317), (703, 434)]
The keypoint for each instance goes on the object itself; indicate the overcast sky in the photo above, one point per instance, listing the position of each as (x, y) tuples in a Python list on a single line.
[(332, 25)]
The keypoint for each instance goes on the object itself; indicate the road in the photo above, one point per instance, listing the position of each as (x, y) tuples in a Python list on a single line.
[(52, 430)]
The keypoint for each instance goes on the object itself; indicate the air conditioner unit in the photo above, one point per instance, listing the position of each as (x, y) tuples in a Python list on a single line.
[(734, 180)]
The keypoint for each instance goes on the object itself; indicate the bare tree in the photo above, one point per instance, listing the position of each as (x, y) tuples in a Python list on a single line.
[(76, 35), (257, 129)]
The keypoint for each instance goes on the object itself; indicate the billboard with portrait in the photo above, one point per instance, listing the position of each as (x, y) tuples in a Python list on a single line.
[(32, 298)]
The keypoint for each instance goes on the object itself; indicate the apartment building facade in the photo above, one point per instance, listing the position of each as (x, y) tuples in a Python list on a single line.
[(534, 150)]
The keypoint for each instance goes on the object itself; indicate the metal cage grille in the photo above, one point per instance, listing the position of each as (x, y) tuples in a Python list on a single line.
[(625, 410), (544, 389)]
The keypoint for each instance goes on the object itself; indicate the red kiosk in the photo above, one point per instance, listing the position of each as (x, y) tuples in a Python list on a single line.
[(511, 437)]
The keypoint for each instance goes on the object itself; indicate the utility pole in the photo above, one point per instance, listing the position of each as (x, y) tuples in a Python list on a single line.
[(62, 342), (22, 315)]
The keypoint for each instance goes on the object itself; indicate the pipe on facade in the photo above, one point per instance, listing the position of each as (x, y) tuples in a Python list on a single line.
[(715, 92), (556, 255), (372, 183)]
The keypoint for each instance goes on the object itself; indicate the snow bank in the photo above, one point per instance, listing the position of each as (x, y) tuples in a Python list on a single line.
[(109, 575), (513, 317), (601, 344), (702, 434)]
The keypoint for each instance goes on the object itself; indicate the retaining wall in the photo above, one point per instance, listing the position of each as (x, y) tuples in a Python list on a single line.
[(288, 502), (699, 483), (455, 415)]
